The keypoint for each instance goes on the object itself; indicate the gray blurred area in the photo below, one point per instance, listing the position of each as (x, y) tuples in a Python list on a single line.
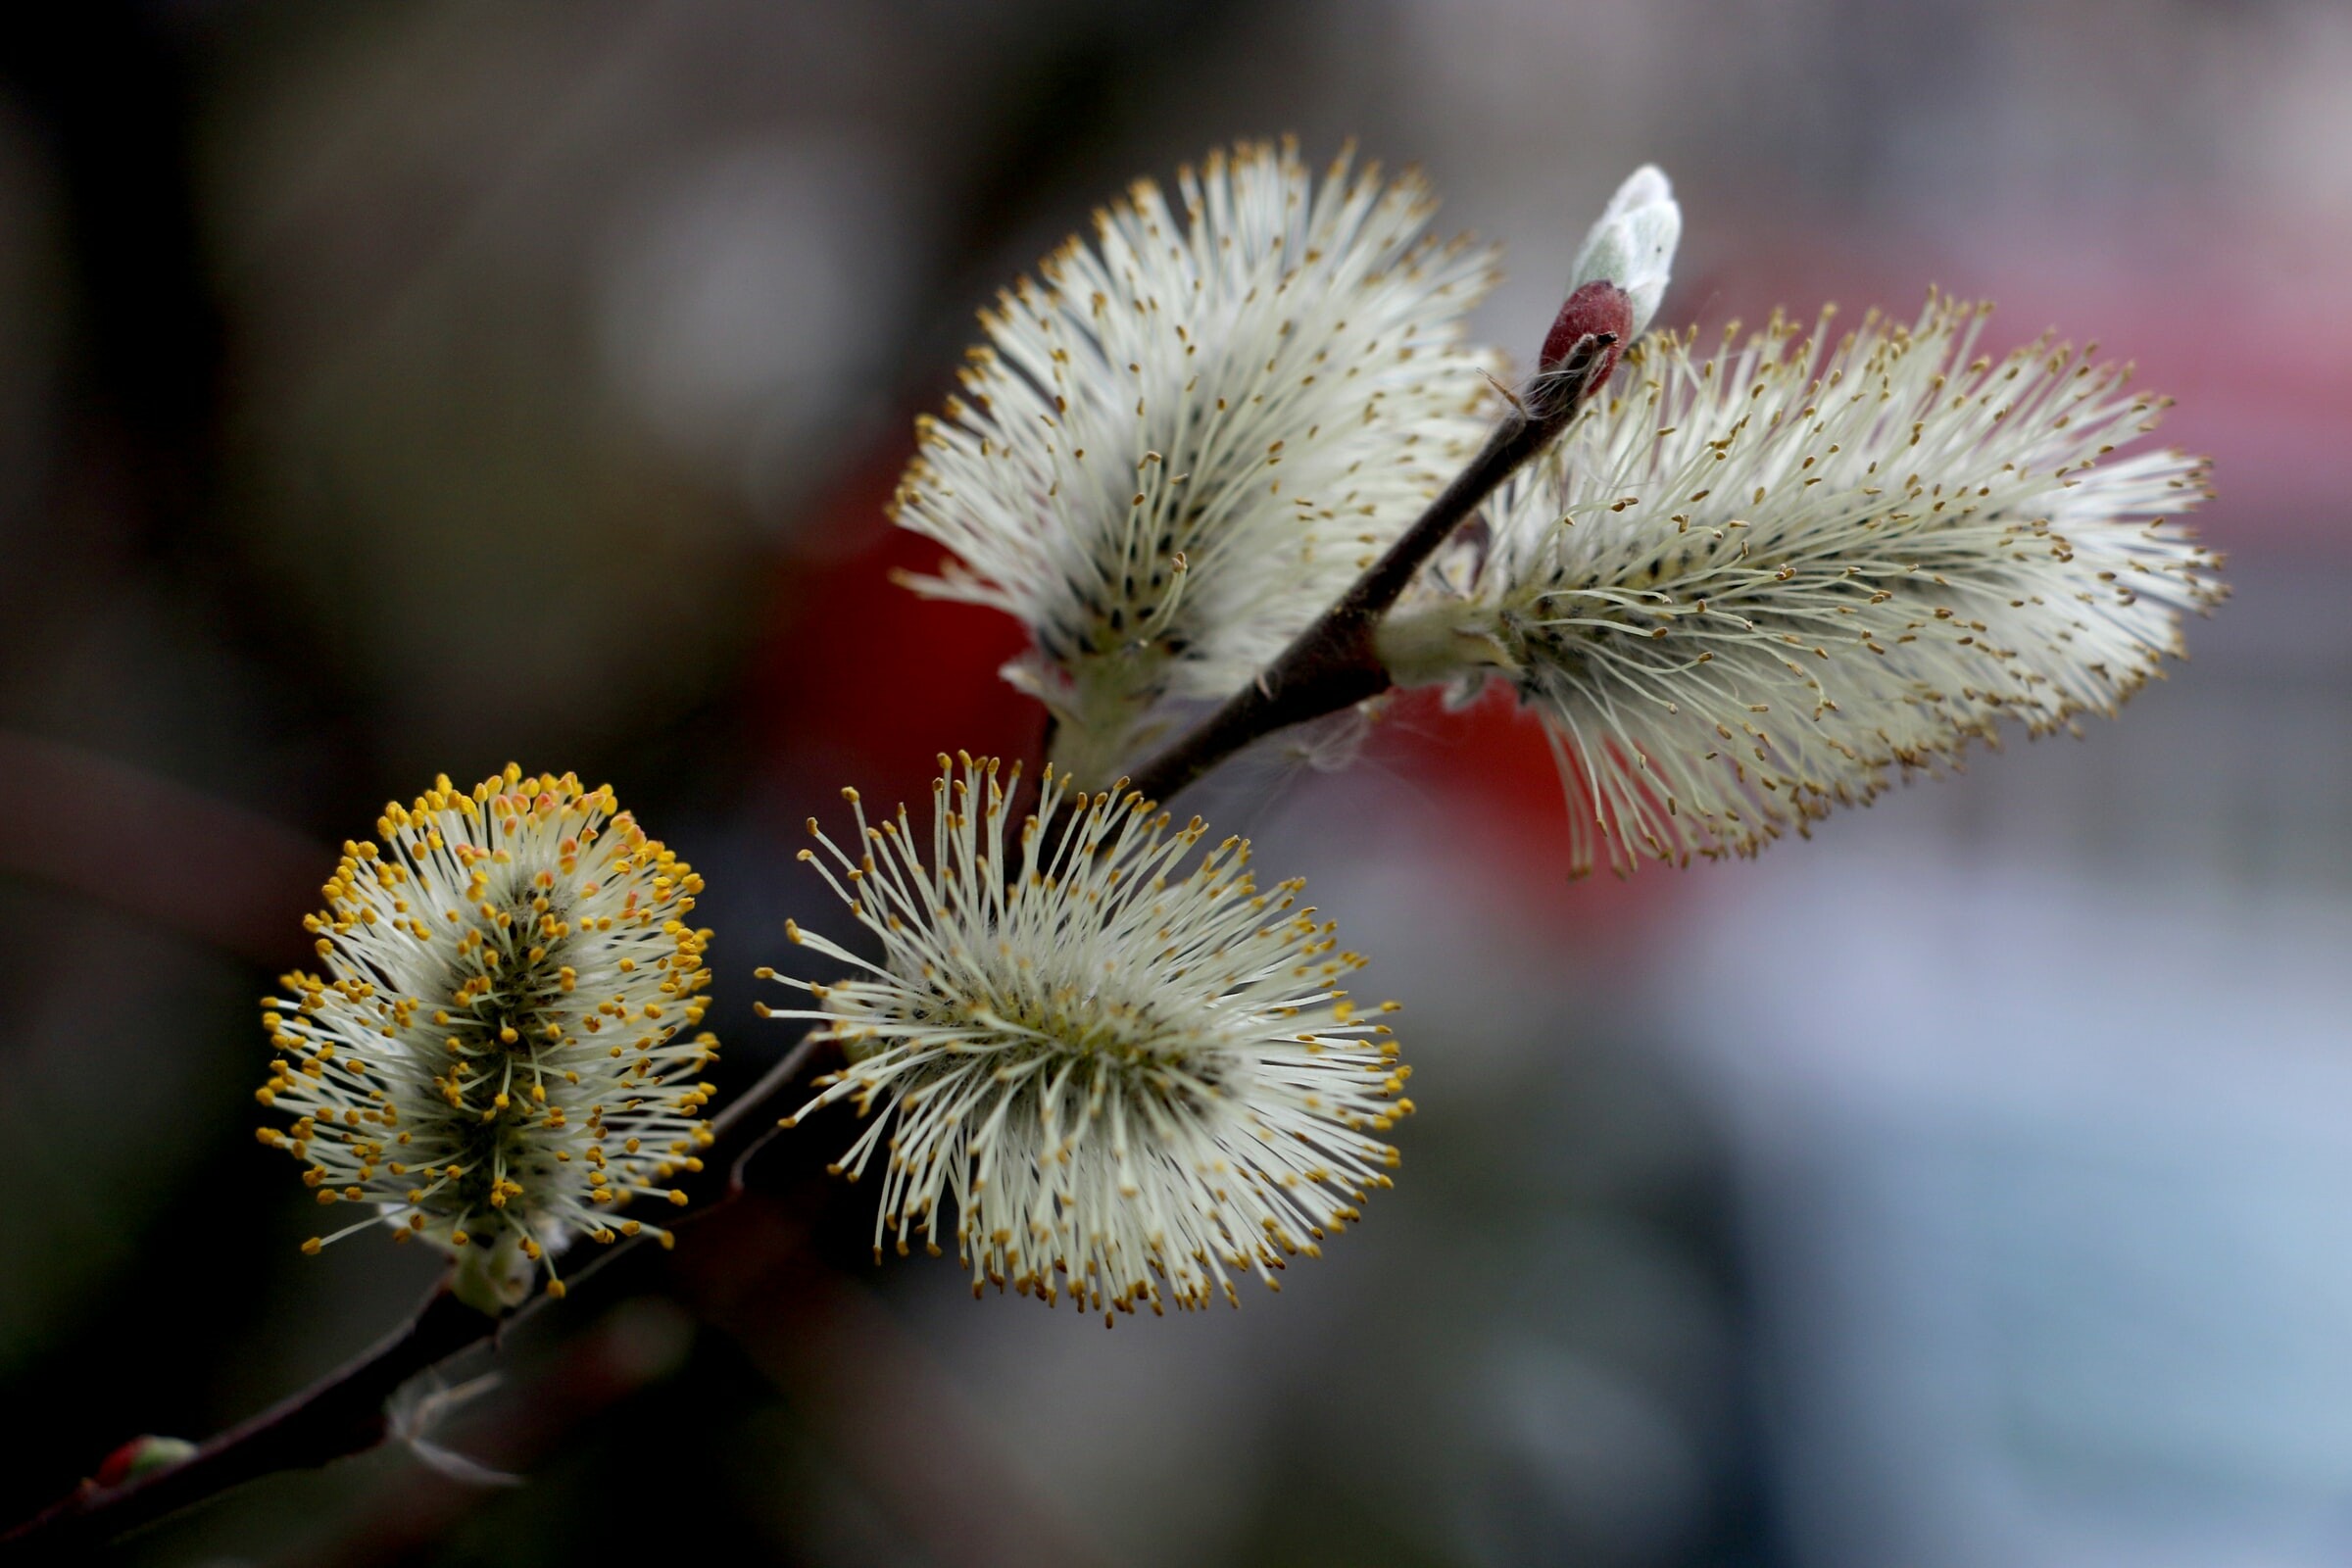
[(396, 389)]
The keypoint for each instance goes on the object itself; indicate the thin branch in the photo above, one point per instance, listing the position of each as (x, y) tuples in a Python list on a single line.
[(747, 1118), (1333, 664), (343, 1413), (741, 1132)]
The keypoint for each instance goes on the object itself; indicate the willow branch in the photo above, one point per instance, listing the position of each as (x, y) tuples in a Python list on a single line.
[(343, 1413), (1333, 664)]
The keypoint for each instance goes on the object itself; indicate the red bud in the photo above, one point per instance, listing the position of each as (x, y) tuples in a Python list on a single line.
[(1595, 308), (140, 1455)]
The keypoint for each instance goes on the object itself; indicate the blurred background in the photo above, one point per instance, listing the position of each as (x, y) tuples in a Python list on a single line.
[(395, 389)]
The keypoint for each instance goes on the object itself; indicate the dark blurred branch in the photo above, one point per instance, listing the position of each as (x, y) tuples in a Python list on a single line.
[(343, 1413), (187, 861), (1333, 664)]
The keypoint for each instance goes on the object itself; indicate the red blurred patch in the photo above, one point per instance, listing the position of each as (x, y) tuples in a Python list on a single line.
[(870, 680), (863, 681)]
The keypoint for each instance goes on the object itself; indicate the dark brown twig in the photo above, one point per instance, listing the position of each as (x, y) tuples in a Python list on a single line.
[(1333, 664), (343, 1413)]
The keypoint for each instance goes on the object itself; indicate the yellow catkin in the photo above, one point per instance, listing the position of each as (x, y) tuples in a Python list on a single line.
[(539, 886)]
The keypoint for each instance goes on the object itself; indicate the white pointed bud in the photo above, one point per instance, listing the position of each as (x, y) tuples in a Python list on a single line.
[(1633, 244)]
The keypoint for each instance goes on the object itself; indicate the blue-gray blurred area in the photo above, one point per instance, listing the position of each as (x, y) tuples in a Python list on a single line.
[(393, 389)]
